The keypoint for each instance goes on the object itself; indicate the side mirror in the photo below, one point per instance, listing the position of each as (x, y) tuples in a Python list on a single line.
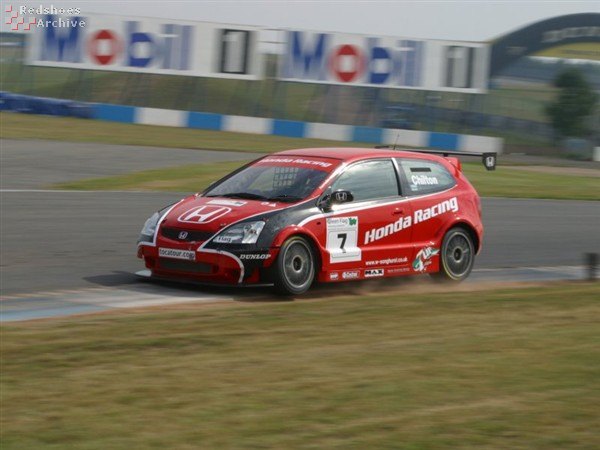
[(335, 198), (341, 197)]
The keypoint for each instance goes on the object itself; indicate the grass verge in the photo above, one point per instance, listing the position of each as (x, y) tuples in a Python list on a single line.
[(189, 178), (24, 126), (504, 182), (478, 370), (520, 183)]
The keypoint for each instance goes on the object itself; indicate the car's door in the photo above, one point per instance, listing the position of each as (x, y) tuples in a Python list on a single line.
[(434, 200), (373, 230)]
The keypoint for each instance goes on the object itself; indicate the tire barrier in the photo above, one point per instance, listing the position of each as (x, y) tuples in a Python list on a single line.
[(47, 106)]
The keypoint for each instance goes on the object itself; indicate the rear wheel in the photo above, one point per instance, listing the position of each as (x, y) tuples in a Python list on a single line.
[(295, 267), (456, 256)]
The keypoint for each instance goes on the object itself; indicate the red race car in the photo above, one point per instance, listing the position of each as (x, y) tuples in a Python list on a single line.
[(325, 214)]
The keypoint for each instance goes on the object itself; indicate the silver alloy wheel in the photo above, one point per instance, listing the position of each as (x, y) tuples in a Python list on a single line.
[(457, 255), (298, 266), (294, 271)]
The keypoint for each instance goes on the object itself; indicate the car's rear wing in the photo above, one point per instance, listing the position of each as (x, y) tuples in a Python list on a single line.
[(487, 158)]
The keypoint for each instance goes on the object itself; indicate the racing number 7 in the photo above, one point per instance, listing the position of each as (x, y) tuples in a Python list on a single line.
[(343, 237)]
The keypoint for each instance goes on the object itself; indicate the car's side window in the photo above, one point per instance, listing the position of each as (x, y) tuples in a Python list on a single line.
[(425, 177), (369, 180)]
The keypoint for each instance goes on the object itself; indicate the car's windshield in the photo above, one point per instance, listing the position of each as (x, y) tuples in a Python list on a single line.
[(270, 180)]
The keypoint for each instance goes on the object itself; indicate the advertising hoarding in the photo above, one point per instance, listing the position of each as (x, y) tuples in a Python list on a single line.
[(146, 45), (360, 60)]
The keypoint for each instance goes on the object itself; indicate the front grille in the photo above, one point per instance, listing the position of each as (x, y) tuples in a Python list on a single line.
[(192, 236), (184, 266)]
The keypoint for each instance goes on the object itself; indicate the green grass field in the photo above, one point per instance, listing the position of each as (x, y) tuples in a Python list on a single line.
[(504, 182), (24, 126), (507, 369)]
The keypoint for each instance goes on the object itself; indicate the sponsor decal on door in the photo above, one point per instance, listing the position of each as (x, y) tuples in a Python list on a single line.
[(342, 239)]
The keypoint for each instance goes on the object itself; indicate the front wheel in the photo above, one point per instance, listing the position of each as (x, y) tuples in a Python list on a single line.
[(295, 267), (457, 256)]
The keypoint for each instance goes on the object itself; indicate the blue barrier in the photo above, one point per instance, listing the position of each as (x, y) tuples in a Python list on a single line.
[(12, 102), (114, 113), (288, 128), (220, 122), (444, 141), (205, 121), (367, 134), (46, 106)]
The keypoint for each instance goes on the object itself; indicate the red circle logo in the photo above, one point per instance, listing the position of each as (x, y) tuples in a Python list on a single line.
[(104, 46), (347, 63)]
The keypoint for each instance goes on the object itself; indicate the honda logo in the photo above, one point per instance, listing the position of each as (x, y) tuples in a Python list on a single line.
[(341, 196), (183, 235), (489, 160), (203, 214)]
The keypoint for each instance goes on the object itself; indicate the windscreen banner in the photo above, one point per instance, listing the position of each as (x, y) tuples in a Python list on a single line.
[(361, 60), (145, 45)]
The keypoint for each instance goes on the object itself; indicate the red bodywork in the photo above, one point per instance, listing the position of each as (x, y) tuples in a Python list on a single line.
[(387, 237)]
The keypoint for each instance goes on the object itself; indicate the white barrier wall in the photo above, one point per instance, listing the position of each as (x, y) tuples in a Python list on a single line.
[(290, 128)]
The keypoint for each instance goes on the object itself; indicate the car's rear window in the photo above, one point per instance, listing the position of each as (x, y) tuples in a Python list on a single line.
[(424, 177)]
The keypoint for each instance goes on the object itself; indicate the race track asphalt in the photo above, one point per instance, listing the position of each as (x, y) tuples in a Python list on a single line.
[(56, 240), (37, 164)]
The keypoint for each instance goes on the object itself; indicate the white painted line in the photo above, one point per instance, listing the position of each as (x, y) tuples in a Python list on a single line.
[(57, 293), (542, 268), (144, 301), (125, 298)]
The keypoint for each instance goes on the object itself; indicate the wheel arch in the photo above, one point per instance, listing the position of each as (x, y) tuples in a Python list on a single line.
[(470, 229), (447, 273), (280, 277), (312, 240)]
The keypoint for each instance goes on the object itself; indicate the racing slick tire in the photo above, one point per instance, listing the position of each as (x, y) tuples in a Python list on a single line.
[(294, 270), (457, 256)]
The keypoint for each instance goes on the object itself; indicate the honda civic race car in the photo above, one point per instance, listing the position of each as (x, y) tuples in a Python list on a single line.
[(324, 214)]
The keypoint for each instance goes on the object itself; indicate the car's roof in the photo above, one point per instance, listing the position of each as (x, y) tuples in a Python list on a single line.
[(350, 154)]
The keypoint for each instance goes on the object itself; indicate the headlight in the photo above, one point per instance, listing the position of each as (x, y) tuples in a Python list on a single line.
[(149, 227), (244, 233)]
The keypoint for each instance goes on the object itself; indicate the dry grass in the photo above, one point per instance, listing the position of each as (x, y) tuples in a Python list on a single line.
[(511, 369)]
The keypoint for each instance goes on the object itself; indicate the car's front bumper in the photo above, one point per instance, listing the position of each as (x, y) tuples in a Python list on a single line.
[(204, 265)]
